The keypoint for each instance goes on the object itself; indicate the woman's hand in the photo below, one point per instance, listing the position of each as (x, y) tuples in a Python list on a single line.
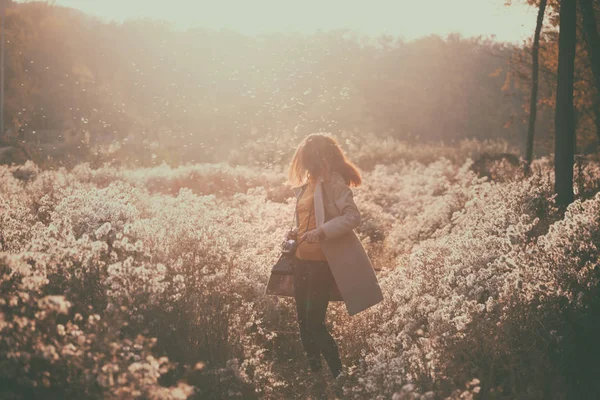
[(314, 236), (291, 234)]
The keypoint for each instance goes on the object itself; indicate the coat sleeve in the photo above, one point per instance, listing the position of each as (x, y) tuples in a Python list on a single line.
[(350, 216)]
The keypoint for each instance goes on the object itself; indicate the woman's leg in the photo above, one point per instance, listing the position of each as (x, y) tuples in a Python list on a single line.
[(315, 282), (319, 290), (303, 304)]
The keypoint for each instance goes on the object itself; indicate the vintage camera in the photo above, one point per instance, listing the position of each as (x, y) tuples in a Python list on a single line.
[(290, 245)]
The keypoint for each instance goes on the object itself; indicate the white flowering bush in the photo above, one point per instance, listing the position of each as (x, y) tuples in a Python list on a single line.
[(149, 283)]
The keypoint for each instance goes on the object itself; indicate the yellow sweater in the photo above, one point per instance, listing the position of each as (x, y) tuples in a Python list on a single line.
[(308, 251)]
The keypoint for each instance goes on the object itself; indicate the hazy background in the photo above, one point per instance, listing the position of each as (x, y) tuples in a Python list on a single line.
[(150, 82), (408, 19), (139, 269)]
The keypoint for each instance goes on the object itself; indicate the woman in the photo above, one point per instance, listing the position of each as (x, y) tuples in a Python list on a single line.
[(331, 264)]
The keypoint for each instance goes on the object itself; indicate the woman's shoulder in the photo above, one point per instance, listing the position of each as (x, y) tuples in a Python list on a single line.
[(336, 178), (336, 182)]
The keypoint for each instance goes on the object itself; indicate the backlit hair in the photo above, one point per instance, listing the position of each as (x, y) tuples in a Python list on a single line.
[(319, 155)]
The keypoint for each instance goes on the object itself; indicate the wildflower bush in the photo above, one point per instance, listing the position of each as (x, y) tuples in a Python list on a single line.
[(149, 283)]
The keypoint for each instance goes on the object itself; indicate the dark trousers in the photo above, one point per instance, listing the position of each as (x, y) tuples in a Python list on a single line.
[(312, 286)]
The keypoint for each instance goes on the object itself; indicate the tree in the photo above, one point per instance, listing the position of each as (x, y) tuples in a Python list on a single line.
[(535, 52), (564, 144), (584, 95), (593, 49)]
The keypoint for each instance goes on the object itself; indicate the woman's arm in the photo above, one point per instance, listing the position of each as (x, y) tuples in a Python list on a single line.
[(350, 217)]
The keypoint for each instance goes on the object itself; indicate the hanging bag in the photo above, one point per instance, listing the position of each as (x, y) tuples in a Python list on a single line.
[(287, 261)]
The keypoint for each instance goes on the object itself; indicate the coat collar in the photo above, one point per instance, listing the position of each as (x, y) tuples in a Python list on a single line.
[(298, 190), (318, 200)]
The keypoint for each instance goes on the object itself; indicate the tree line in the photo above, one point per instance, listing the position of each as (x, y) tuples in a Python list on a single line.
[(143, 91)]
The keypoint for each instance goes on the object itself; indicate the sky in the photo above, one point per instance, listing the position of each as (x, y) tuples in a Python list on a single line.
[(408, 19)]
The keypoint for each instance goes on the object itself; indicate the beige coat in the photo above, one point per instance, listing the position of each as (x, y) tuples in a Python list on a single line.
[(355, 281)]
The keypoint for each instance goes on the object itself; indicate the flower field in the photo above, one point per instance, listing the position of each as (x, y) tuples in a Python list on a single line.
[(149, 282)]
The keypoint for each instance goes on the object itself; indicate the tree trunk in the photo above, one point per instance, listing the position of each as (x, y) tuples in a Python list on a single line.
[(593, 48), (535, 52), (564, 144)]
